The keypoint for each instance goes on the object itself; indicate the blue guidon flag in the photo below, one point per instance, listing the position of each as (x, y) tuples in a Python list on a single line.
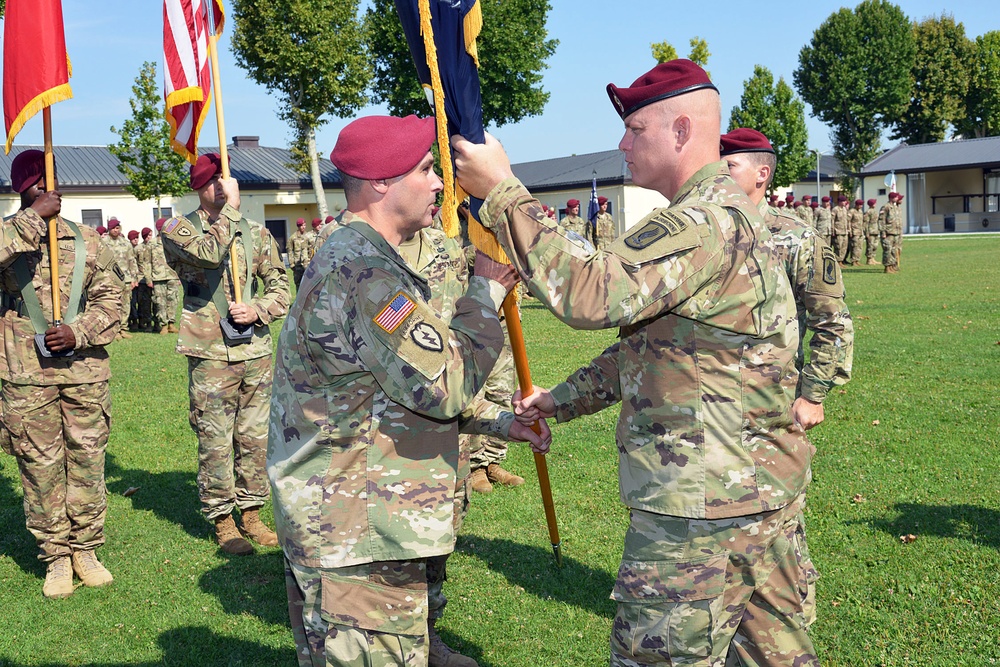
[(593, 208), (442, 38)]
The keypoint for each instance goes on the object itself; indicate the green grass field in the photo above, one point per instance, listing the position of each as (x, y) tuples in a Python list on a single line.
[(910, 446)]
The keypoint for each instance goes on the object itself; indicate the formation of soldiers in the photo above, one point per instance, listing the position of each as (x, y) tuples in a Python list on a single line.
[(601, 233), (303, 244)]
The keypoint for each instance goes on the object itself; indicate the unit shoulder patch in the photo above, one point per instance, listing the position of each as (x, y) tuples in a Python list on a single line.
[(825, 275)]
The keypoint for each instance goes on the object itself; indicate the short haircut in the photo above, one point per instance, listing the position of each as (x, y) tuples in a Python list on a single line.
[(764, 158), (352, 185)]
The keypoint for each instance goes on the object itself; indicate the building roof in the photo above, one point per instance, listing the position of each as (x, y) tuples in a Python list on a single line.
[(941, 156), (255, 167), (573, 171), (829, 168)]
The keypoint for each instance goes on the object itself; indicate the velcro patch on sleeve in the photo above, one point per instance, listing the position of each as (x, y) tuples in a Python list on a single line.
[(825, 278), (395, 313)]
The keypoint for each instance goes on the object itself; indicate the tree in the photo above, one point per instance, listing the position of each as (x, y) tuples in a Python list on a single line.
[(982, 104), (144, 154), (940, 81), (664, 51), (312, 54), (699, 53), (855, 73), (780, 116), (513, 48)]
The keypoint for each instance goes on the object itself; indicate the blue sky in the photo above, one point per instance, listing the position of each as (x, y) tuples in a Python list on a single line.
[(600, 41)]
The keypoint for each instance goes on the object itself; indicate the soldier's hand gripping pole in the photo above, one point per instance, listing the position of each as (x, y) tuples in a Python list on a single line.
[(50, 186)]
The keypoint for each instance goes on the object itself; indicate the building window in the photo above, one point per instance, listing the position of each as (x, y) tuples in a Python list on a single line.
[(881, 192), (92, 217), (165, 212)]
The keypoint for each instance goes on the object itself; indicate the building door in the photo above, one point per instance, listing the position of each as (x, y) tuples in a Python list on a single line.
[(278, 231)]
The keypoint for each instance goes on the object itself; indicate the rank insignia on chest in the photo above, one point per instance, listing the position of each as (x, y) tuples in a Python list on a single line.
[(427, 337), (395, 313)]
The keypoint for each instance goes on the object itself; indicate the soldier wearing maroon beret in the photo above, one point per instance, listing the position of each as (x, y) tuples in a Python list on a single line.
[(229, 377), (840, 228), (368, 354), (686, 494), (856, 233), (871, 232), (572, 221), (299, 251), (604, 228), (824, 220)]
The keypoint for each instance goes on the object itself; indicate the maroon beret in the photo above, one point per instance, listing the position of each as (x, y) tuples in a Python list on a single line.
[(112, 223), (300, 221), (146, 231), (317, 222), (826, 199), (745, 140), (815, 204), (101, 229), (797, 204), (774, 197), (806, 197), (159, 223), (842, 198), (899, 197), (781, 204), (376, 147), (666, 80), (26, 168), (858, 202), (133, 235), (572, 202), (872, 202), (789, 198), (202, 171), (602, 200), (328, 218)]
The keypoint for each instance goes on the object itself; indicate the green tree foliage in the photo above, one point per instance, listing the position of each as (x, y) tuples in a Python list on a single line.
[(855, 73), (312, 55), (144, 154), (664, 51), (982, 116), (940, 81), (513, 47), (699, 52), (775, 111)]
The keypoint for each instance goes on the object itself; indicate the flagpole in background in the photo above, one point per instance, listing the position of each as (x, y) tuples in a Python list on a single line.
[(50, 185)]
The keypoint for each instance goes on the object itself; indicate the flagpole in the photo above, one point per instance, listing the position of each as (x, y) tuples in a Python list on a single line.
[(213, 54), (50, 186)]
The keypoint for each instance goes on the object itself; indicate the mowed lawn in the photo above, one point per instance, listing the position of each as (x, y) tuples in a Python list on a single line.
[(911, 447)]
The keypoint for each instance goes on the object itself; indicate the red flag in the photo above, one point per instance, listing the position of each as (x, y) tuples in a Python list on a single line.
[(36, 68), (187, 79)]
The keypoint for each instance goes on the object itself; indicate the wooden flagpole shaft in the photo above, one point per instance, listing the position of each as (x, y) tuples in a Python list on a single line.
[(50, 185), (516, 334), (213, 54)]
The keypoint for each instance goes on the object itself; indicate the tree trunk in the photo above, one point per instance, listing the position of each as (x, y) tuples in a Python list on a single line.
[(314, 172)]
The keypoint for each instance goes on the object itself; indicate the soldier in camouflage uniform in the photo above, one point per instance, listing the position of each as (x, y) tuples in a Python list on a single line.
[(229, 384), (166, 285), (890, 220), (371, 388), (840, 228), (57, 410), (298, 251), (145, 287), (871, 232), (856, 222), (312, 238), (125, 257), (711, 465), (824, 222), (133, 311), (604, 228), (572, 222), (806, 211)]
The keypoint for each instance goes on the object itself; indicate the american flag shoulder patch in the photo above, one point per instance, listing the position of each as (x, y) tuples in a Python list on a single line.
[(395, 313)]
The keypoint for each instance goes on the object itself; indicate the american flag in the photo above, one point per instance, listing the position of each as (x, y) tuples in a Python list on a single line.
[(394, 314), (187, 80)]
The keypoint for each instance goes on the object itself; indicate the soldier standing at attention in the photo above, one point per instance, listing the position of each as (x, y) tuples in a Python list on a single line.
[(604, 228), (126, 262), (855, 219), (133, 311), (370, 378), (229, 382), (712, 467), (871, 232), (166, 285), (57, 408), (312, 237), (891, 231), (840, 228), (298, 251), (824, 224), (807, 211), (572, 221), (145, 288)]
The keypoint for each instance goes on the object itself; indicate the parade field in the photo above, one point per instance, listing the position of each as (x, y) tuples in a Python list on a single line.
[(903, 516)]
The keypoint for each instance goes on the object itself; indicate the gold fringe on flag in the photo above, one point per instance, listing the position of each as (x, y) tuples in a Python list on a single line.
[(472, 26)]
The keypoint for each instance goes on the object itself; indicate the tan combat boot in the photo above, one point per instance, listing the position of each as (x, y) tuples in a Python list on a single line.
[(163, 329), (58, 579), (498, 475), (442, 655), (257, 530), (229, 537), (90, 570), (479, 482), (126, 335), (172, 328)]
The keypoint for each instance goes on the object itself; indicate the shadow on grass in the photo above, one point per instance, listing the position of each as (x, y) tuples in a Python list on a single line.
[(15, 540), (979, 525), (199, 646), (172, 496), (253, 585), (534, 569)]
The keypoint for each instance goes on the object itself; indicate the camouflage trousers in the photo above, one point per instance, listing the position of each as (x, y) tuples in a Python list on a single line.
[(871, 247), (722, 593), (126, 307), (840, 246), (891, 244), (166, 294), (499, 389), (857, 243), (373, 614), (229, 409), (59, 434), (437, 566)]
